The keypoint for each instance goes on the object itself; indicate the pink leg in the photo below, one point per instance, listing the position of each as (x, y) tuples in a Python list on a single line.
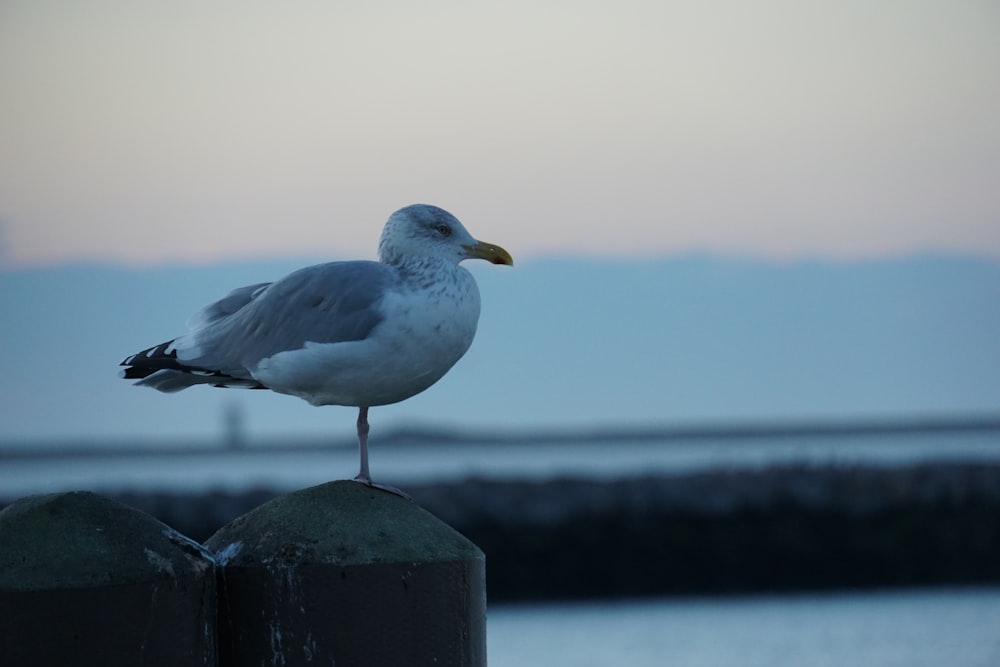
[(364, 475)]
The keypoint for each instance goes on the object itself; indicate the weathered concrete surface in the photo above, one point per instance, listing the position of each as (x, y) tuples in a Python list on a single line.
[(87, 580), (344, 574)]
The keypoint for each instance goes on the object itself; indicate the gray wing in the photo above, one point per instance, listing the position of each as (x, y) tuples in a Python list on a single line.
[(327, 303), (225, 306)]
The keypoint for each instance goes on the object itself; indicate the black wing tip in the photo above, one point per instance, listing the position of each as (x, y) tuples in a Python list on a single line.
[(162, 358), (145, 363), (136, 372)]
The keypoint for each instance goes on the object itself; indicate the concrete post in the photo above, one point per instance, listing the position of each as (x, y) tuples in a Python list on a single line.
[(349, 575), (85, 580)]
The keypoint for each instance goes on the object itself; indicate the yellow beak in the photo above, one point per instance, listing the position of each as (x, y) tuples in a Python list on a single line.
[(491, 253)]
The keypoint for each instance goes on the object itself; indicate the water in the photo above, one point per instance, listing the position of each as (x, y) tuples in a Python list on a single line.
[(286, 469), (914, 628)]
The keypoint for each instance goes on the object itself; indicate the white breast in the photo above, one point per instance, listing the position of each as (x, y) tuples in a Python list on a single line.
[(428, 324)]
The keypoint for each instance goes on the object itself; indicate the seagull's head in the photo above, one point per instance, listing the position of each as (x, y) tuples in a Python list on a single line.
[(422, 230)]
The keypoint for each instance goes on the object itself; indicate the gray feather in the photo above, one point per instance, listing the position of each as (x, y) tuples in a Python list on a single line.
[(225, 306), (327, 303)]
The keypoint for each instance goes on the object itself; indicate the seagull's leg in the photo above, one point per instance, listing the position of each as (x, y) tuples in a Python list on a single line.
[(364, 475)]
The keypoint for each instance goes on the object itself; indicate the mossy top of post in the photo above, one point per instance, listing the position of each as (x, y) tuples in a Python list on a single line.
[(81, 540), (339, 523)]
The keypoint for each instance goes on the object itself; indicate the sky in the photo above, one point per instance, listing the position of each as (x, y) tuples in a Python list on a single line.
[(146, 134)]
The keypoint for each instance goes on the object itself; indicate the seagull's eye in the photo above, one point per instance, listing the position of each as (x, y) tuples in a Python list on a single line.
[(443, 230)]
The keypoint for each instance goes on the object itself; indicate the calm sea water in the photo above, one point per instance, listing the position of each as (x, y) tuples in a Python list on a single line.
[(297, 468), (914, 628)]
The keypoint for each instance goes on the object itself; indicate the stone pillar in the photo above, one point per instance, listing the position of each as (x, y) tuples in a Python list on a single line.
[(85, 580), (349, 575)]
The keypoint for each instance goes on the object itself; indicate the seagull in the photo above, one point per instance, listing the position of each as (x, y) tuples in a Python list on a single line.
[(353, 333)]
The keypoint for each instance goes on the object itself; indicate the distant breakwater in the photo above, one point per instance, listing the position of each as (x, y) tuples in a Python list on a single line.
[(720, 531)]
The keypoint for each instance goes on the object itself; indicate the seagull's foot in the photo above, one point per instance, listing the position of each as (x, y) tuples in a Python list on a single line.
[(367, 481)]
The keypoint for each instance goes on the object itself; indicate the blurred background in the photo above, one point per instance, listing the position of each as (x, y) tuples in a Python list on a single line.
[(744, 374)]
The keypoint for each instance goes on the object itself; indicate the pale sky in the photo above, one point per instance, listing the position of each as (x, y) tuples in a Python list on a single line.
[(145, 133)]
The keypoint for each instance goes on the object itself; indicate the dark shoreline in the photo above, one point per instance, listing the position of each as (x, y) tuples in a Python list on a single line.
[(736, 430), (716, 532)]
